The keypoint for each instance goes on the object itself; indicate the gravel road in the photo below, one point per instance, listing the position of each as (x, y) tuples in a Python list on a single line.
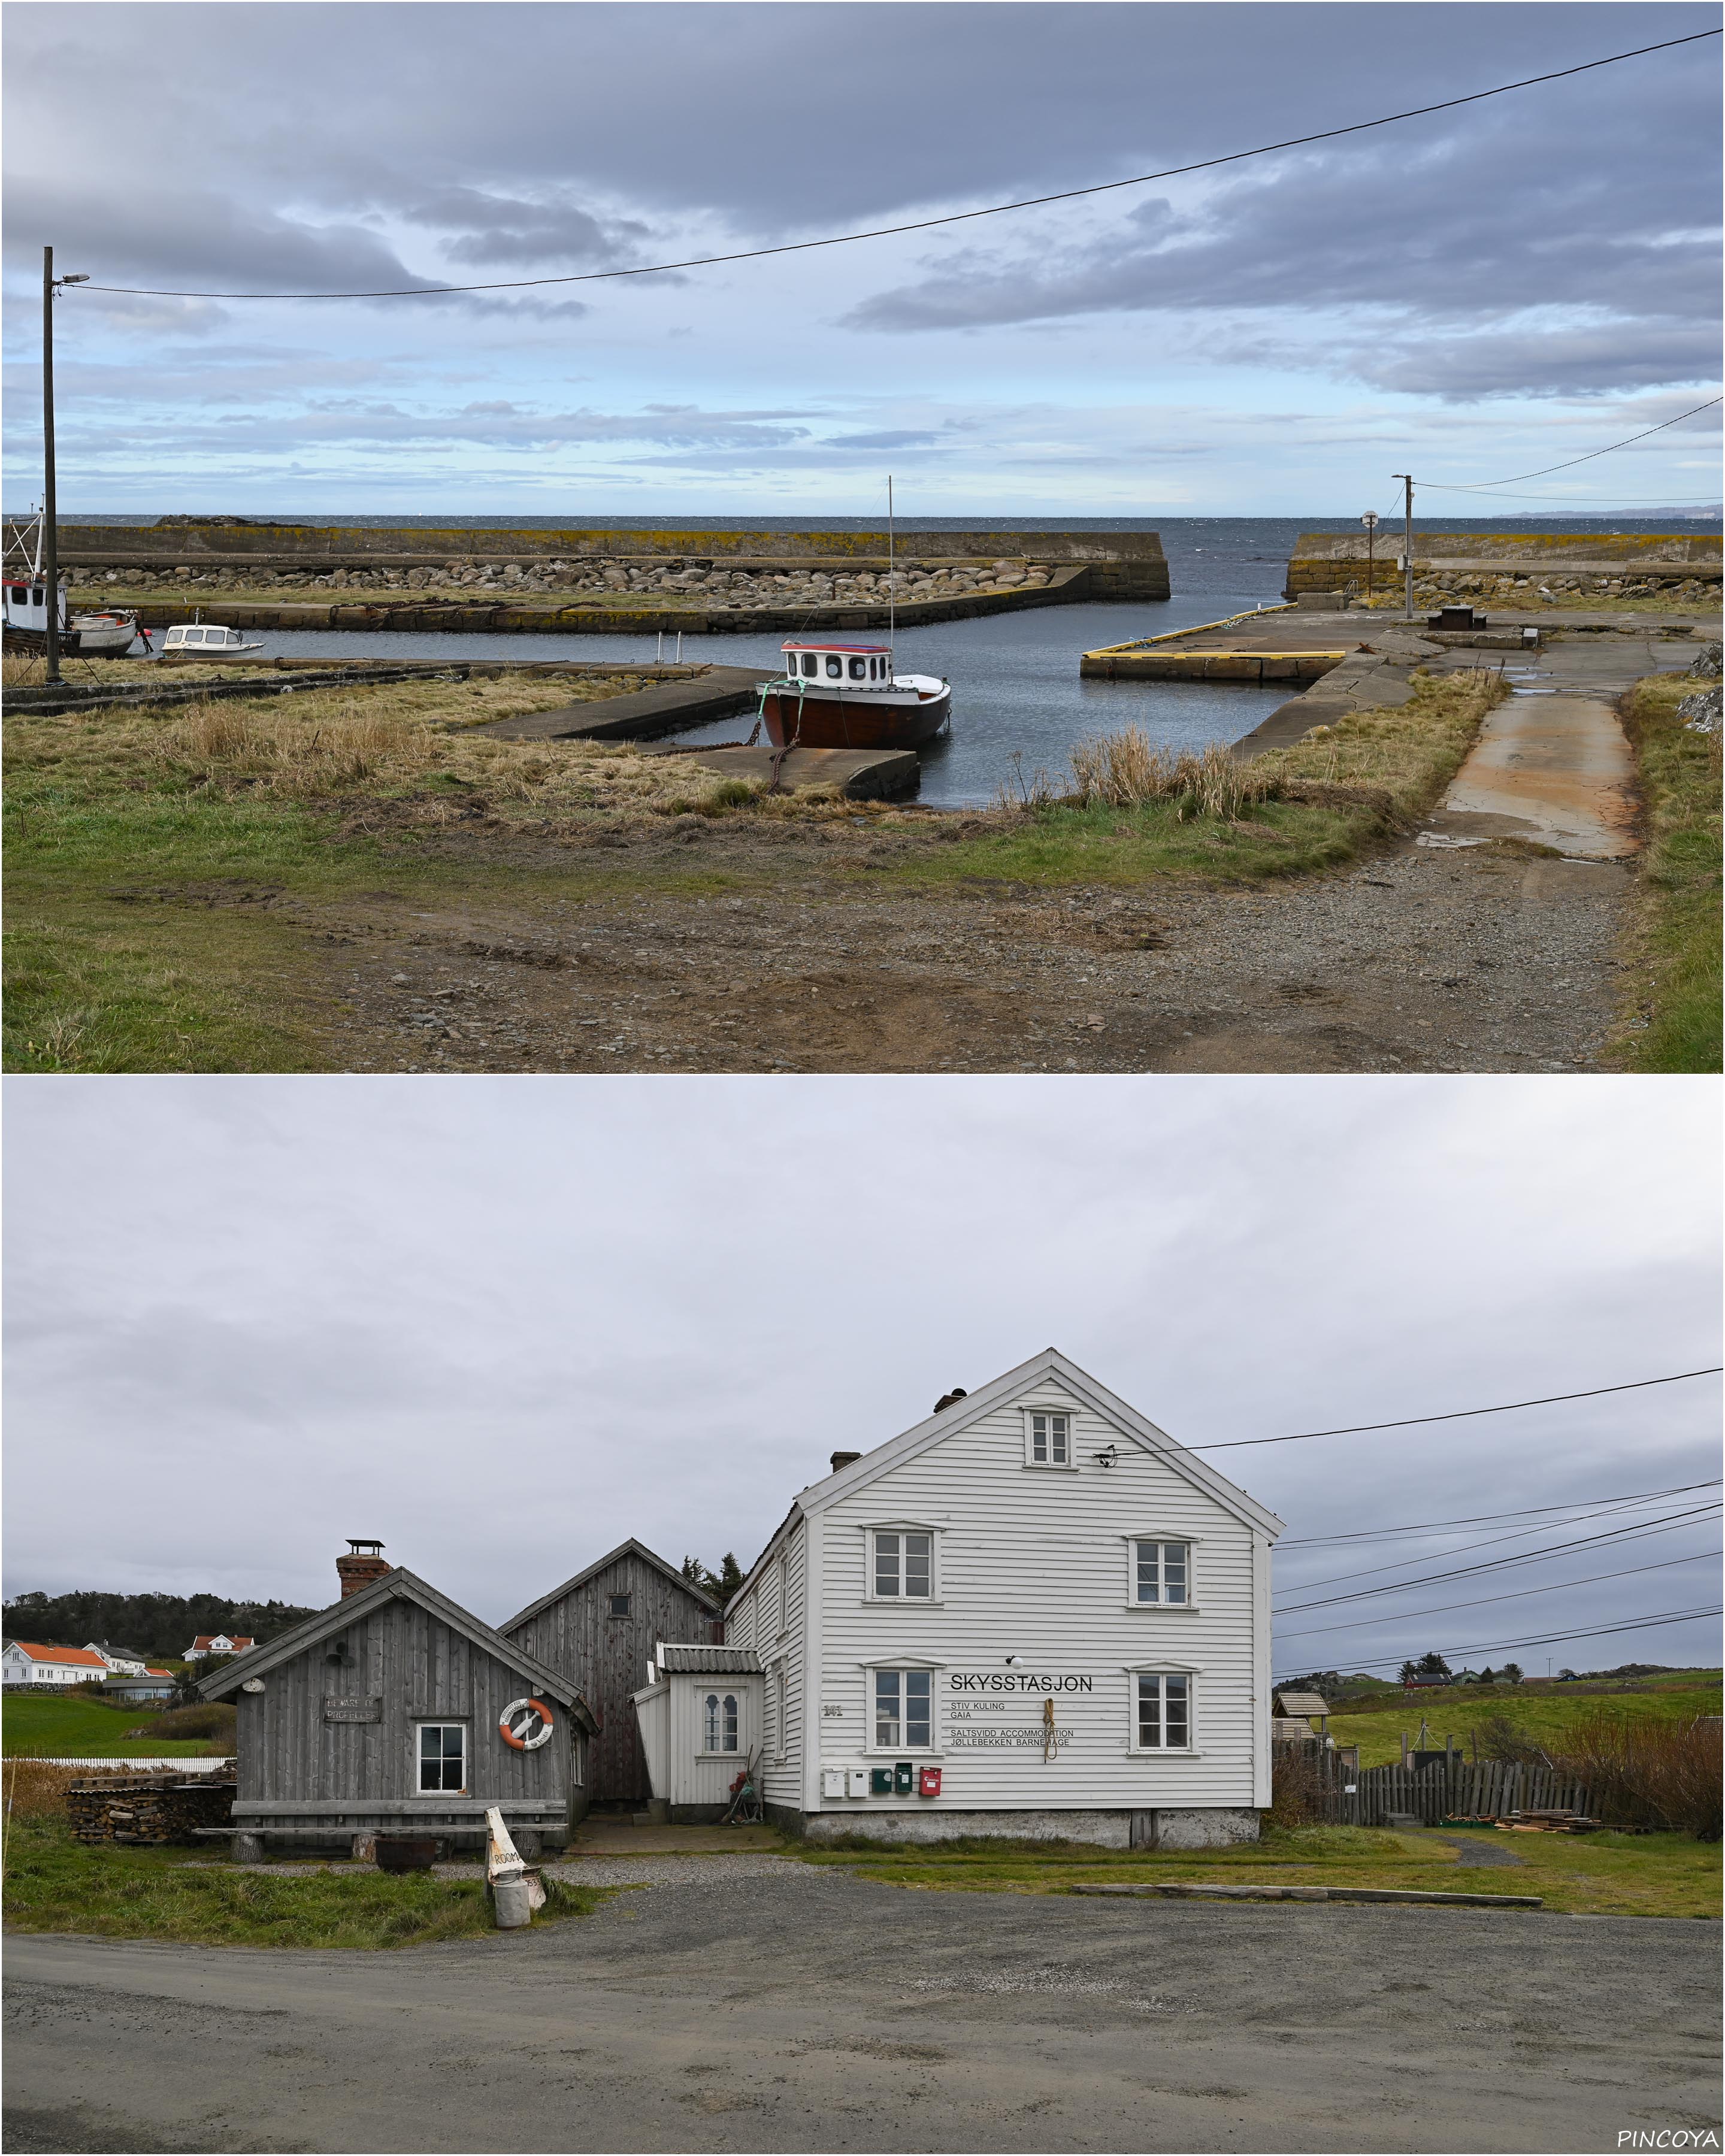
[(768, 2012)]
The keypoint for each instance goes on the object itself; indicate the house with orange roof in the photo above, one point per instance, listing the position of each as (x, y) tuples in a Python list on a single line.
[(31, 1662)]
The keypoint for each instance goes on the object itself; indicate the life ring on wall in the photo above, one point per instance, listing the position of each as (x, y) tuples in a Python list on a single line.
[(525, 1724)]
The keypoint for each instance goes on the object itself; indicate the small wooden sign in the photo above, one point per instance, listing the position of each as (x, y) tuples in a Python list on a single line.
[(340, 1708)]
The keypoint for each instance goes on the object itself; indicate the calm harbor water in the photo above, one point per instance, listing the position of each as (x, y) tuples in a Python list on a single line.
[(1016, 691)]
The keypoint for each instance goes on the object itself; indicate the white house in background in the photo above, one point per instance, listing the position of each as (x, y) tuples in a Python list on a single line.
[(118, 1661), (1034, 1613), (215, 1643), (27, 1662)]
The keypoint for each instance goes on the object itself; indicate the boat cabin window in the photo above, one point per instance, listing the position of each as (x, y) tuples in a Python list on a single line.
[(811, 665), (858, 670), (835, 669)]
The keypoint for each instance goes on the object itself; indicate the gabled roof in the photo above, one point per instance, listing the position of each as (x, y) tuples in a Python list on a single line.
[(404, 1586), (630, 1549), (1301, 1703), (707, 1662), (78, 1657), (1050, 1365), (237, 1641)]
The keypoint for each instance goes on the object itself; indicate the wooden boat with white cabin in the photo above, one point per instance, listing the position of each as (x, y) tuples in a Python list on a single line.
[(847, 696)]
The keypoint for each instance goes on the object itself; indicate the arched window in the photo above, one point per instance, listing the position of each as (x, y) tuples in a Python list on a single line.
[(710, 1723)]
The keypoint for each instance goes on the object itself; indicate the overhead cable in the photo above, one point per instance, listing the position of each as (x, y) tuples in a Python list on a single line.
[(1551, 1638), (1484, 1519), (1515, 478), (1457, 1415), (1516, 1594), (929, 224)]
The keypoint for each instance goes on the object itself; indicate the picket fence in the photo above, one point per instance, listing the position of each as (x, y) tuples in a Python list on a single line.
[(1443, 1789)]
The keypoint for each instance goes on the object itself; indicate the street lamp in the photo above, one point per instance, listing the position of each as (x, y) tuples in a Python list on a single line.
[(50, 508), (1370, 521)]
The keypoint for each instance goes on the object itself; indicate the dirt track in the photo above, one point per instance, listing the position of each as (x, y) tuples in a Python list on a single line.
[(815, 2012), (1488, 959)]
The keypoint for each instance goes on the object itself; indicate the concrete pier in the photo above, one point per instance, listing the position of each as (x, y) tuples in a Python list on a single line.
[(880, 774), (670, 707)]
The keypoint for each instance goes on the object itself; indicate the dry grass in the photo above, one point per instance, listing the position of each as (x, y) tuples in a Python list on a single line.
[(36, 1790), (1123, 770), (1644, 1771), (1297, 1788), (1397, 758)]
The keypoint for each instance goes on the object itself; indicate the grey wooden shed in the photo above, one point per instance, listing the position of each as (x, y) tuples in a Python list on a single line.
[(397, 1710), (599, 1629)]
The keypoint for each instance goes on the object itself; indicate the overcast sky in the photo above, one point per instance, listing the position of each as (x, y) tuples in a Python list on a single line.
[(503, 1323), (1471, 295)]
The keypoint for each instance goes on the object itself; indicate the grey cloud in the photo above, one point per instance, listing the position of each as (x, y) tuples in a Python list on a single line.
[(886, 439), (498, 229)]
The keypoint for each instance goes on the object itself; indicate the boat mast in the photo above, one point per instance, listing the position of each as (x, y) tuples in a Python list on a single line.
[(892, 588)]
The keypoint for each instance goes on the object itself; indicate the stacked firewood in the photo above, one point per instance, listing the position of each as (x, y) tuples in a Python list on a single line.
[(148, 1807)]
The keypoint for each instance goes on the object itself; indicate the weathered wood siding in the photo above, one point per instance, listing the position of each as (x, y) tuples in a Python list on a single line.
[(607, 1657), (418, 1669), (1032, 1563)]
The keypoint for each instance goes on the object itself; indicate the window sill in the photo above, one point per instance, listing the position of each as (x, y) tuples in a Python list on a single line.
[(1051, 1466), (738, 1755), (903, 1602), (1173, 1752), (1167, 1609)]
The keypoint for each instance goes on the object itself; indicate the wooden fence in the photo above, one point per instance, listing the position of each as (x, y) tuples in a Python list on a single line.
[(1441, 1790)]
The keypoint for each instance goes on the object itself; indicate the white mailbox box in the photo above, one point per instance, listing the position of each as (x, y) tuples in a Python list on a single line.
[(857, 1779), (832, 1782)]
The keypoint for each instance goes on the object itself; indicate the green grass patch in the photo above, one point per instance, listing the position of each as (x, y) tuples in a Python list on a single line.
[(1546, 1717), (55, 1884), (37, 1726), (1677, 970), (1602, 1874)]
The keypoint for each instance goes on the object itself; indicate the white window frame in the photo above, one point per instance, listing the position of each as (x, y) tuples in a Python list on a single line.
[(1161, 1536), (777, 1679), (931, 1600), (902, 1665), (1030, 1409), (443, 1721), (721, 1750), (784, 1595), (1164, 1668)]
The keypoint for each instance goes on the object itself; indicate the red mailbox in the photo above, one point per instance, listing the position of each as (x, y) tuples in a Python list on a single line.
[(928, 1782)]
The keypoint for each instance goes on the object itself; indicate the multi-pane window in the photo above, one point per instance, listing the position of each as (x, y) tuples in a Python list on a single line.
[(904, 1710), (719, 1722), (1164, 1713), (904, 1564), (1050, 1440), (443, 1756), (1162, 1572)]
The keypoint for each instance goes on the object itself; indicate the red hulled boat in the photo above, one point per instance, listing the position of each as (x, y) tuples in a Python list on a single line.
[(846, 696)]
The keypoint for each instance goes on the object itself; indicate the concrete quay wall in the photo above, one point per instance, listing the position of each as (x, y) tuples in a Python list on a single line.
[(1495, 563)]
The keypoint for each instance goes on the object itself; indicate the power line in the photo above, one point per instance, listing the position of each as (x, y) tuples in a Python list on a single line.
[(1482, 1519), (1516, 1594), (928, 223), (1515, 478), (1457, 1415), (1551, 1638), (1493, 1564)]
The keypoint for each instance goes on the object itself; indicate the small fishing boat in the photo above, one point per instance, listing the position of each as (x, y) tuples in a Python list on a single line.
[(106, 634), (847, 696), (204, 639)]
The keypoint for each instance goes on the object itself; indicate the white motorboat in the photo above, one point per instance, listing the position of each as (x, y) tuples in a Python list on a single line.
[(106, 634), (205, 640)]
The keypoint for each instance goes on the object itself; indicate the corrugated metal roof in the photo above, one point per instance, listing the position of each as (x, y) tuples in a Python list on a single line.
[(709, 1661)]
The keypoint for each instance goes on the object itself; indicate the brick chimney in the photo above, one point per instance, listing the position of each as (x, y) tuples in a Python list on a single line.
[(844, 1459), (364, 1562)]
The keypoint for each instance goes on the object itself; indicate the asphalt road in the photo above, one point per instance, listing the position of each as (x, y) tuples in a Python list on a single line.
[(810, 2011)]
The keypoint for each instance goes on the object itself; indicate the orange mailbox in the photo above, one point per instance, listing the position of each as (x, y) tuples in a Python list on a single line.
[(928, 1782)]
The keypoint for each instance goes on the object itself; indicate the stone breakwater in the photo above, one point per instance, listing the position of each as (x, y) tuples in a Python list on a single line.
[(705, 582), (1682, 568)]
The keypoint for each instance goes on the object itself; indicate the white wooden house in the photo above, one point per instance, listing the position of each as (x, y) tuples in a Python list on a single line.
[(1034, 1613), (699, 1722), (31, 1662)]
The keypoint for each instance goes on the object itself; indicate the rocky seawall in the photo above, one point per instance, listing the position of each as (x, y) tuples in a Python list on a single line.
[(1600, 566)]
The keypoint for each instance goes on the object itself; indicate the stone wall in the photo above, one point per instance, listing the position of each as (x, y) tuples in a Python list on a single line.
[(1123, 564), (1684, 567)]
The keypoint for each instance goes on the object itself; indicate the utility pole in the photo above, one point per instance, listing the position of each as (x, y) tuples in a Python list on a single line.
[(1407, 479), (50, 506), (1370, 521)]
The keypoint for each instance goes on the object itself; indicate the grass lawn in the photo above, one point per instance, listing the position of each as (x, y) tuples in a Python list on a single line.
[(1601, 1874), (1544, 1715), (166, 867), (55, 1884), (38, 1726), (1676, 944)]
